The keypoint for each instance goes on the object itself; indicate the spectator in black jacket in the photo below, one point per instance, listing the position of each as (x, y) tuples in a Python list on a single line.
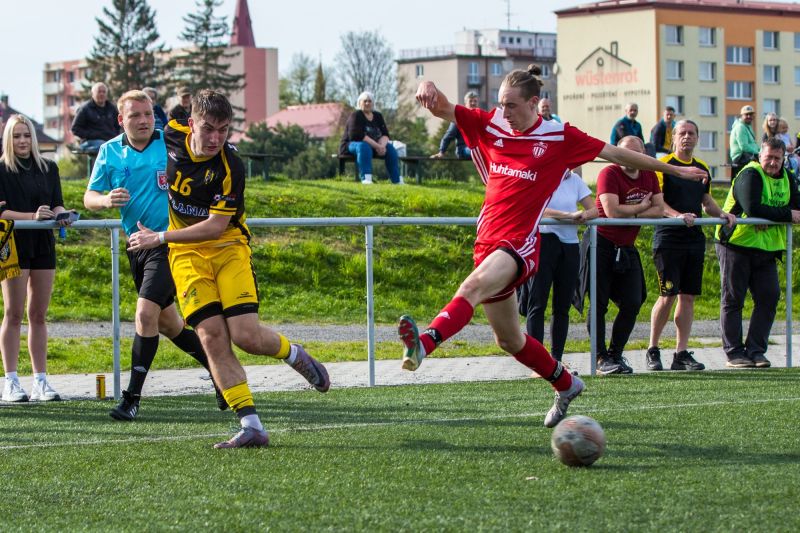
[(366, 136), (183, 109), (453, 134), (96, 120), (661, 134)]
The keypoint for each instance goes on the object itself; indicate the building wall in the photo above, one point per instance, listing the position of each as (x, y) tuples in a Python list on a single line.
[(591, 95), (62, 96), (739, 27), (454, 77)]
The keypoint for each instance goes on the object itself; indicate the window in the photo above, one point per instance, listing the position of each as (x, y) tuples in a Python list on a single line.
[(772, 105), (708, 36), (676, 102), (420, 70), (530, 42), (519, 40), (674, 69), (797, 75), (71, 76), (739, 90), (707, 140), (729, 121), (674, 34), (707, 71), (797, 109), (772, 74), (502, 40), (497, 69), (708, 106), (797, 41), (739, 55), (546, 94), (771, 40), (546, 71)]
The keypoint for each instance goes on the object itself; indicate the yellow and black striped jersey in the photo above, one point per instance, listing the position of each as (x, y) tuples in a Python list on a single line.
[(203, 186)]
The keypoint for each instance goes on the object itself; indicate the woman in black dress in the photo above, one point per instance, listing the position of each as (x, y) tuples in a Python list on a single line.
[(31, 189)]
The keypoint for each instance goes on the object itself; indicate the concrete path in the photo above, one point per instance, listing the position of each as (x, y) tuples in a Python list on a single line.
[(277, 377)]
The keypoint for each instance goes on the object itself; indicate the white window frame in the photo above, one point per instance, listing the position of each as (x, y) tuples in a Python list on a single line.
[(771, 40), (735, 90), (419, 70), (673, 34), (497, 69), (707, 141), (675, 101), (711, 33), (708, 106), (771, 105), (674, 70), (772, 74), (546, 71), (738, 53), (712, 66)]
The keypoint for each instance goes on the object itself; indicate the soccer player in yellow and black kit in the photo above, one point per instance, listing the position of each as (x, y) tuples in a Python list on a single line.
[(211, 262)]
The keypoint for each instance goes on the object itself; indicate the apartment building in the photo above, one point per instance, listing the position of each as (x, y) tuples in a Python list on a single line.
[(705, 58), (477, 61), (64, 81)]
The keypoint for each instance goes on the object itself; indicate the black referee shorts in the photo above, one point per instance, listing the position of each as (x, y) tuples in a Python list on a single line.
[(679, 271), (151, 275)]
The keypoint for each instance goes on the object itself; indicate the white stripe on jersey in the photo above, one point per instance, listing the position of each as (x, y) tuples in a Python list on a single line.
[(545, 128), (480, 164), (502, 135)]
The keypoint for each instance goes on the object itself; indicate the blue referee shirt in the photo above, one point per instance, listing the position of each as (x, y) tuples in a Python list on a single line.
[(143, 174)]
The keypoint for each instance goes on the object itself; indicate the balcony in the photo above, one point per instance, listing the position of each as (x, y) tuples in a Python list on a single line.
[(475, 80), (53, 87), (52, 111)]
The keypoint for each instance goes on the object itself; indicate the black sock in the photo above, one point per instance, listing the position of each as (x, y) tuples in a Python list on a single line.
[(142, 355), (188, 341)]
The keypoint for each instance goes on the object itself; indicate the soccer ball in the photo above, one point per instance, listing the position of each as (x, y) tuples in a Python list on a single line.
[(578, 441)]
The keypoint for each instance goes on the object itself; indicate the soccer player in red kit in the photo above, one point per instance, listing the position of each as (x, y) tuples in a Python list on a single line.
[(521, 160)]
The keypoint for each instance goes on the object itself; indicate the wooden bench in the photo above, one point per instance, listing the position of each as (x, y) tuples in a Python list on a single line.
[(409, 164)]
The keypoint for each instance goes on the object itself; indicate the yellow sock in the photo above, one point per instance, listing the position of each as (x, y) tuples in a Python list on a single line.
[(285, 349), (239, 396)]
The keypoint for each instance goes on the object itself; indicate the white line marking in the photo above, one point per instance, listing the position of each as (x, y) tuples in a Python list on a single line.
[(328, 427)]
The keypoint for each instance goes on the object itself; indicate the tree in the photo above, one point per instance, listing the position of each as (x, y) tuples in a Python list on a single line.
[(319, 85), (301, 78), (206, 64), (366, 63), (125, 51)]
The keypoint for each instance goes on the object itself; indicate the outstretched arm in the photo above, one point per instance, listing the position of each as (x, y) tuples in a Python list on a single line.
[(629, 158), (435, 101)]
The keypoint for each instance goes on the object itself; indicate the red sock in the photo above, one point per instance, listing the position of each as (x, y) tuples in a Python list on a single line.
[(448, 322), (536, 357)]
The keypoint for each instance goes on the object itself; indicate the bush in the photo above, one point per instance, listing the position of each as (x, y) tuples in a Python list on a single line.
[(72, 167), (285, 142), (311, 163)]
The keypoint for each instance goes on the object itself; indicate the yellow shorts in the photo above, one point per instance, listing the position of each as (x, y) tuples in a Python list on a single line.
[(214, 281)]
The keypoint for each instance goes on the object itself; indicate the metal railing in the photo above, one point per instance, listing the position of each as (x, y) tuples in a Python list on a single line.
[(369, 224)]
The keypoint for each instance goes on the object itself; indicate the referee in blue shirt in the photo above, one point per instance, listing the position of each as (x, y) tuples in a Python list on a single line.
[(130, 174)]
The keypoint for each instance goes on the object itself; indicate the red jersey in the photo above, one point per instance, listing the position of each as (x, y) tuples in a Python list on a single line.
[(521, 170), (613, 180)]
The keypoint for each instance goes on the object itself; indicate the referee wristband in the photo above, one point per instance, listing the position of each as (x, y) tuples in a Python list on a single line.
[(161, 237)]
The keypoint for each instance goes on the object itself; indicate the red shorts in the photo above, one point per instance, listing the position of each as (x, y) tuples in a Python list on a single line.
[(525, 251)]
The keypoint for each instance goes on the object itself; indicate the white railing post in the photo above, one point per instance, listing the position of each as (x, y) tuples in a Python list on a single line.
[(788, 296), (592, 296), (115, 308), (370, 308)]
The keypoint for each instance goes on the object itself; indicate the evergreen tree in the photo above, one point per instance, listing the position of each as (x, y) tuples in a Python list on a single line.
[(125, 53), (206, 63), (319, 85)]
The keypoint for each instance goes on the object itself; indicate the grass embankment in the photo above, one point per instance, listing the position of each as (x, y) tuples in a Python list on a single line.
[(317, 275)]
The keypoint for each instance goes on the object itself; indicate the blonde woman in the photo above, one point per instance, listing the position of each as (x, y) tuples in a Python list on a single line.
[(769, 126), (31, 189)]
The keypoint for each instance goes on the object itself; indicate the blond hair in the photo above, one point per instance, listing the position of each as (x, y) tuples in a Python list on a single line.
[(9, 157), (133, 95)]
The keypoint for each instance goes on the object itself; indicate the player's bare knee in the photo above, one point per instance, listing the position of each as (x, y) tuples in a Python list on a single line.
[(510, 344)]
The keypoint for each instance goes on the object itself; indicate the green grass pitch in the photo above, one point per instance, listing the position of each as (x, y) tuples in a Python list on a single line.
[(706, 451)]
